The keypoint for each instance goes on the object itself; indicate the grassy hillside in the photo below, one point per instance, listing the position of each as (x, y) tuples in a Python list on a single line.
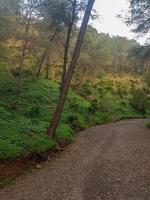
[(24, 119)]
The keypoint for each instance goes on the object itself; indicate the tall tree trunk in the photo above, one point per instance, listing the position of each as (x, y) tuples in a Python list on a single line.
[(44, 56), (60, 106), (47, 67), (25, 42), (67, 43), (38, 69), (19, 82)]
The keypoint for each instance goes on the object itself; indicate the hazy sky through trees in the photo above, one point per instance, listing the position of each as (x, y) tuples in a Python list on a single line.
[(109, 22)]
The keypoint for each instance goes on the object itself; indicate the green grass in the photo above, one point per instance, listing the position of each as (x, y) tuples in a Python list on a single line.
[(24, 119)]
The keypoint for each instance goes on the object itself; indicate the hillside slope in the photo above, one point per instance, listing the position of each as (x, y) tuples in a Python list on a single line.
[(24, 118)]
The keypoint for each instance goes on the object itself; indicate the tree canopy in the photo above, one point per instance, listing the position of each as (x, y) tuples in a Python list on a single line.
[(139, 16)]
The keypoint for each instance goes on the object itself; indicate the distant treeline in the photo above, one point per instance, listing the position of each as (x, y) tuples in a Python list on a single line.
[(34, 35)]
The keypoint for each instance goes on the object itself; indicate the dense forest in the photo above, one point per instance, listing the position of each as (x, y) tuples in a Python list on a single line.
[(38, 45)]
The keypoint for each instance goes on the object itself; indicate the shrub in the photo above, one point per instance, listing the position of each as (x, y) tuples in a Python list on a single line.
[(147, 79), (107, 103), (33, 111), (140, 100), (9, 150), (101, 74), (122, 89), (86, 89), (26, 72), (106, 84), (4, 114), (65, 132), (77, 121), (148, 125)]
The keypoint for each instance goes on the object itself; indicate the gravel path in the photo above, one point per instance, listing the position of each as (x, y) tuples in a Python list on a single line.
[(108, 162)]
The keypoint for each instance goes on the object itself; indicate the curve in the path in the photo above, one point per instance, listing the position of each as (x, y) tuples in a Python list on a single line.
[(108, 162)]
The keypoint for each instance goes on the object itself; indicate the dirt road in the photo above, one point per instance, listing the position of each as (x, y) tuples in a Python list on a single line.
[(108, 162)]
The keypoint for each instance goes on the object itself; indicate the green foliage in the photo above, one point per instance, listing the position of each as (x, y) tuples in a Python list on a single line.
[(24, 119), (65, 133), (138, 16), (6, 181), (148, 125), (78, 121), (26, 72), (140, 100), (123, 89), (107, 103), (86, 89), (111, 99), (147, 79), (8, 149)]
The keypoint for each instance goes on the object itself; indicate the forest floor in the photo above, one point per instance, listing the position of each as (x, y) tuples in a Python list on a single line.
[(107, 162)]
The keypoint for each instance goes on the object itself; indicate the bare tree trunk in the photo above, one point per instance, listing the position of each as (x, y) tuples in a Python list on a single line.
[(38, 69), (23, 56), (67, 43), (19, 82), (60, 106), (44, 56), (47, 67), (80, 80)]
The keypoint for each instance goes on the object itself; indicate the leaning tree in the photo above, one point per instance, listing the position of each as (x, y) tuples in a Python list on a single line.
[(64, 91)]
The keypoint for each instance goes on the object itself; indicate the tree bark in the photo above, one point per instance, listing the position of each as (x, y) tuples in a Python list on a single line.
[(67, 43), (47, 67), (38, 70), (44, 56), (60, 106), (25, 42)]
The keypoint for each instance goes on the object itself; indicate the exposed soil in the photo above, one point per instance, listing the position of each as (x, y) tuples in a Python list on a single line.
[(13, 168), (108, 162), (16, 167)]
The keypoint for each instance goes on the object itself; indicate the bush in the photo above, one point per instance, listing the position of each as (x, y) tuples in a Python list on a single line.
[(106, 84), (148, 125), (26, 72), (9, 149), (24, 119), (87, 89), (108, 103), (77, 121), (65, 132), (101, 74), (122, 89), (33, 111), (147, 79), (140, 100)]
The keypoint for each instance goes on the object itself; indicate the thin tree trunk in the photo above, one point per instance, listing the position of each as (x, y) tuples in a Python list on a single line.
[(47, 67), (38, 70), (44, 56), (60, 40), (19, 82), (81, 80), (67, 43), (60, 106)]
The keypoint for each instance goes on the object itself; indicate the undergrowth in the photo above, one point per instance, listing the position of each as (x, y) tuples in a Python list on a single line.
[(25, 118)]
